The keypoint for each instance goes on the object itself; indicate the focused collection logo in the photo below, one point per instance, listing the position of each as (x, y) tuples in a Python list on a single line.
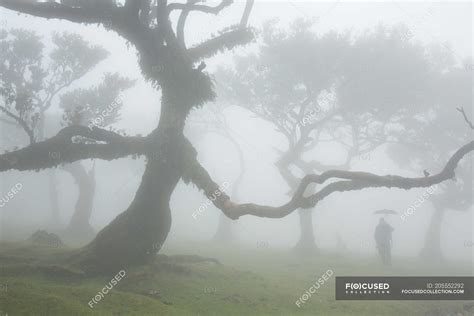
[(404, 288), (367, 288)]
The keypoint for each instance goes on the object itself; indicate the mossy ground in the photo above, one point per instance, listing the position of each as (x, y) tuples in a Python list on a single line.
[(247, 282)]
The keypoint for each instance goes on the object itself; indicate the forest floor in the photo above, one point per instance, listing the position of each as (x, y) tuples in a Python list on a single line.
[(261, 281)]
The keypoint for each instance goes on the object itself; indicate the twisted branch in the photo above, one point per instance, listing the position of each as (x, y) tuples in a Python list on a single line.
[(61, 149), (21, 122), (348, 181)]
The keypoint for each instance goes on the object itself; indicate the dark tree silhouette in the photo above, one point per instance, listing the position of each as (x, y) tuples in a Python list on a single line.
[(167, 62)]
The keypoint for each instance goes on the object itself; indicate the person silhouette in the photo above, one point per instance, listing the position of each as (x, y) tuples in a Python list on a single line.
[(383, 240)]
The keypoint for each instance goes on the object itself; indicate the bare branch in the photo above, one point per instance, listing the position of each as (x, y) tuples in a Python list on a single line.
[(469, 123), (182, 22), (20, 122), (61, 149), (189, 7), (245, 16), (192, 6), (350, 181)]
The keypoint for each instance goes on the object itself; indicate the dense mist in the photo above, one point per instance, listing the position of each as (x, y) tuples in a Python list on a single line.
[(221, 157)]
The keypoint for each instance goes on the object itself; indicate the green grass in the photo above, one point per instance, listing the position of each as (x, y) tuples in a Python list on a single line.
[(248, 282)]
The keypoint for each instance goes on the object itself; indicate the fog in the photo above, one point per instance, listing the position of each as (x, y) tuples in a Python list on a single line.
[(401, 116)]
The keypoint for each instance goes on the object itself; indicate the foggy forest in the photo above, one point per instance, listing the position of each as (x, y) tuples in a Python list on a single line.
[(236, 157)]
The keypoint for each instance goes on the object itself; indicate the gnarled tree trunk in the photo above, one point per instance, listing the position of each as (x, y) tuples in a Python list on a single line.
[(136, 235)]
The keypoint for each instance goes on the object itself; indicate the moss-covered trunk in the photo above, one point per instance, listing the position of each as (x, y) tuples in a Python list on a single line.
[(136, 235)]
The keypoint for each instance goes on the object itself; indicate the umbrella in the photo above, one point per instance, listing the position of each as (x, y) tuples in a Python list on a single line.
[(385, 212)]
